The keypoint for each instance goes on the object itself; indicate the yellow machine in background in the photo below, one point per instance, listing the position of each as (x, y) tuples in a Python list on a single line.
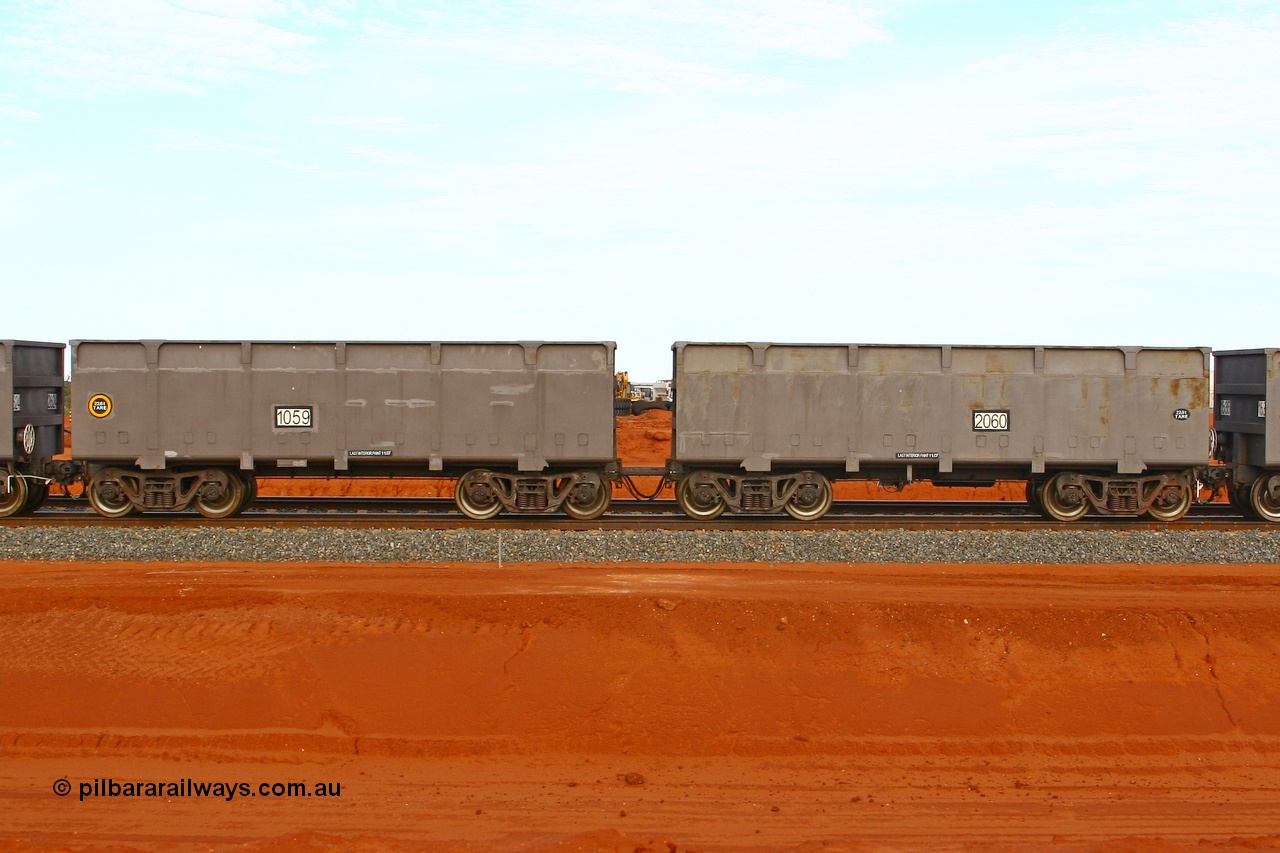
[(622, 386), (633, 399)]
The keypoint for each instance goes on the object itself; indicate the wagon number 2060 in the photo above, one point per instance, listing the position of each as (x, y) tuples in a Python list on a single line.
[(989, 421)]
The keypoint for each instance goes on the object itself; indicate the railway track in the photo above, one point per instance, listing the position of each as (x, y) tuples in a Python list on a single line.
[(441, 513)]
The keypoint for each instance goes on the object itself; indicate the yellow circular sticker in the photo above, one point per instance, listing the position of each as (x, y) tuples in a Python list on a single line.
[(99, 405)]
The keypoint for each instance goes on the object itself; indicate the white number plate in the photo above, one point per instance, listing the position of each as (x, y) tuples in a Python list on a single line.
[(293, 417), (990, 421)]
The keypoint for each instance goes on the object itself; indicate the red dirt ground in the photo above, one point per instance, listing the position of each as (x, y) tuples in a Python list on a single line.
[(1125, 709)]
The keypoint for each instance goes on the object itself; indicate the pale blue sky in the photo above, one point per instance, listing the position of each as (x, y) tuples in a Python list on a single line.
[(936, 172)]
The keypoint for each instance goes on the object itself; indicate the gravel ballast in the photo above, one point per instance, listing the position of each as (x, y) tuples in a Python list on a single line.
[(366, 545)]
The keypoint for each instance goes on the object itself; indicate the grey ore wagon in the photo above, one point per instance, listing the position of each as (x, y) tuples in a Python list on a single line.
[(763, 427), (524, 426), (31, 372), (1245, 382)]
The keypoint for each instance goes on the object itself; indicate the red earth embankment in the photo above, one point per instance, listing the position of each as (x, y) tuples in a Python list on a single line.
[(1127, 709)]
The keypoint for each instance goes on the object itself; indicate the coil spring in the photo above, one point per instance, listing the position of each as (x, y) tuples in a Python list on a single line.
[(531, 497), (1122, 500), (159, 496), (756, 496)]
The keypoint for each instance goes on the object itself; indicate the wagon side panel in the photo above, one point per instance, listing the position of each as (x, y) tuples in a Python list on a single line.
[(294, 413), (574, 417), (1170, 410), (804, 415), (905, 398), (998, 406), (111, 414), (200, 390), (488, 396), (716, 403), (389, 394)]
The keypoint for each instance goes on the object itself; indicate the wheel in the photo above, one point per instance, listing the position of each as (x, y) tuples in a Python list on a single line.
[(476, 497), (36, 495), (108, 499), (230, 502), (1172, 504), (1261, 501), (1059, 508), (702, 502), (811, 499), (1238, 496), (251, 491), (14, 500), (1034, 488), (594, 501)]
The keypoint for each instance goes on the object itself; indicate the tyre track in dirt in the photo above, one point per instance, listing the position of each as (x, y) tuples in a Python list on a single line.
[(897, 706)]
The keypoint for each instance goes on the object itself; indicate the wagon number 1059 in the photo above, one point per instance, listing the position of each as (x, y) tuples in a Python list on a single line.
[(989, 421), (293, 417)]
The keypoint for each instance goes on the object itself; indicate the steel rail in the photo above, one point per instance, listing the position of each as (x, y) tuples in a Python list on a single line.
[(440, 513), (436, 505)]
